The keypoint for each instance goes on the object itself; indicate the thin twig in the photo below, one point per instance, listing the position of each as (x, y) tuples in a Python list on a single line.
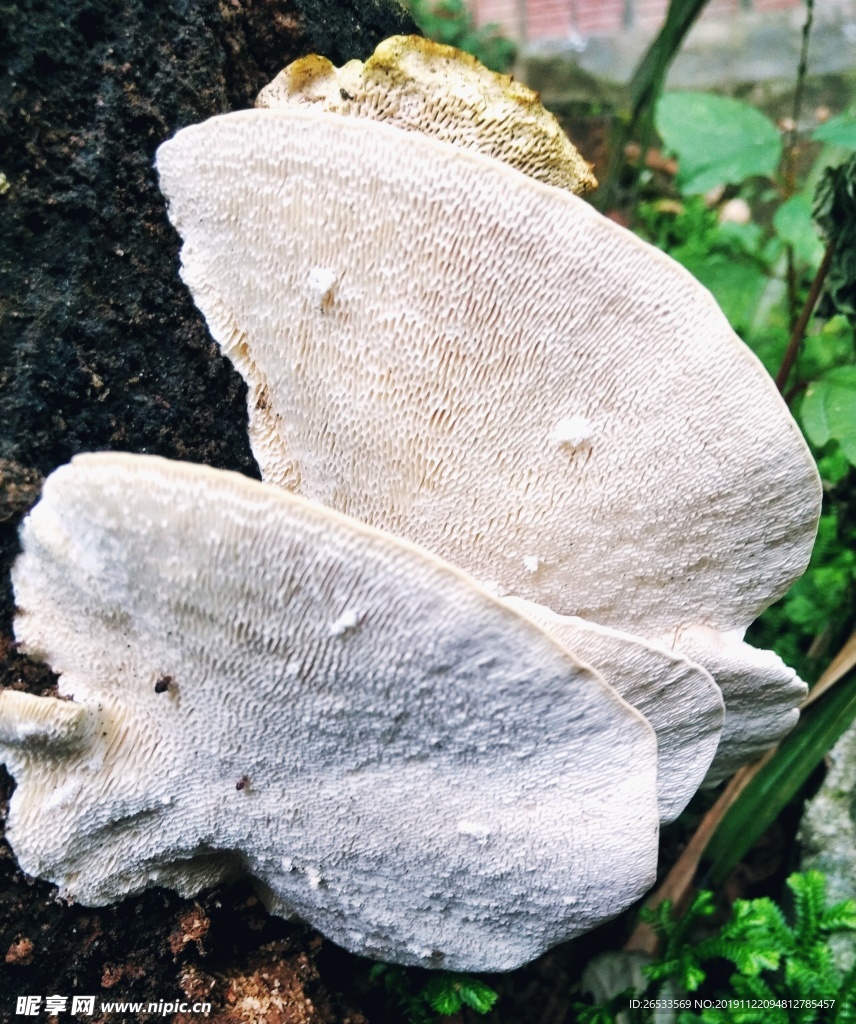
[(791, 152), (800, 326), (802, 70), (791, 276)]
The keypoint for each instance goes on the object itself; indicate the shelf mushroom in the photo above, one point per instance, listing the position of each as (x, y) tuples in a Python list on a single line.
[(389, 751), (472, 359), (525, 491)]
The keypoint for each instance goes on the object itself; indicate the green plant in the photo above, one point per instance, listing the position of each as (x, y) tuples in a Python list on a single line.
[(779, 970), (643, 89), (444, 993), (450, 22), (760, 252)]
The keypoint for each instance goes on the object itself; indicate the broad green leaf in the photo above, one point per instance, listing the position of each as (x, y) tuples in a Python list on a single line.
[(840, 131), (776, 784), (736, 286), (829, 410), (717, 140), (794, 225)]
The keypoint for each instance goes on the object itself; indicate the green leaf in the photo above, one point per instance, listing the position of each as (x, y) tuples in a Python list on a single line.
[(776, 784), (829, 410), (717, 140), (736, 286), (442, 995), (476, 994), (840, 131), (794, 225)]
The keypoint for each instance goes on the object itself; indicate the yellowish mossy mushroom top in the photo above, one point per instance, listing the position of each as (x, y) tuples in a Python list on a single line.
[(419, 85)]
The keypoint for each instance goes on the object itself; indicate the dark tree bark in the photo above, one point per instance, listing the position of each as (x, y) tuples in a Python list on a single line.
[(102, 348)]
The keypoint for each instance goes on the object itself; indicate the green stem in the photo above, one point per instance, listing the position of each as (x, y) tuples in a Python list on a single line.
[(800, 326), (646, 84)]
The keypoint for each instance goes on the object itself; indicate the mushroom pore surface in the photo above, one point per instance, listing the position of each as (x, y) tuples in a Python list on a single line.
[(450, 351), (427, 777)]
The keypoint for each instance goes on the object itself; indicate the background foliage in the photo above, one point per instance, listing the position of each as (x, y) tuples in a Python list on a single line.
[(450, 22), (777, 970)]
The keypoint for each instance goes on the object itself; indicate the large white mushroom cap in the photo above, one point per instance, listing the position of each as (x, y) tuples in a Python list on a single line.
[(451, 351), (262, 686), (442, 347)]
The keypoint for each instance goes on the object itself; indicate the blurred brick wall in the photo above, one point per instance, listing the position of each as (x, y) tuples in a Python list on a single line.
[(555, 19)]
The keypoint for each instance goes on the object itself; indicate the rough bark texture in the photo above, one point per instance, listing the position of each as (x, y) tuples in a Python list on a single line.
[(102, 348)]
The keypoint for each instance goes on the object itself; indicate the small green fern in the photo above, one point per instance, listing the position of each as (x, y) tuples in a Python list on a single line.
[(783, 970), (444, 993)]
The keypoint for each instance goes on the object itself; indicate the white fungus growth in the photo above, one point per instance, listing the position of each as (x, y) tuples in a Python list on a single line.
[(409, 441), (314, 877), (474, 829), (322, 281), (572, 431), (348, 620)]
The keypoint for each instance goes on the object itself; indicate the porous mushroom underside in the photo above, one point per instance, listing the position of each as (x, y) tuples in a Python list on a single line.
[(262, 686), (463, 356), (503, 440)]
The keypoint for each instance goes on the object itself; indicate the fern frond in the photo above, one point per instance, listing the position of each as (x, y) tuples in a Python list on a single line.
[(809, 889), (840, 918), (845, 1003)]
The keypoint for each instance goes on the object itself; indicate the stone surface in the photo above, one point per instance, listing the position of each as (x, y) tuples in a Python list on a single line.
[(828, 836)]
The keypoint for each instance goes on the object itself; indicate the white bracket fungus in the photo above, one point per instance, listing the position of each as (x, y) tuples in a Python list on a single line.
[(444, 784), (694, 506), (508, 380), (573, 431)]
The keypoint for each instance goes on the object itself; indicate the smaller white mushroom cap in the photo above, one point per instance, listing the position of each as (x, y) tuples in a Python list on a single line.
[(421, 86), (762, 694), (262, 686), (677, 696)]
